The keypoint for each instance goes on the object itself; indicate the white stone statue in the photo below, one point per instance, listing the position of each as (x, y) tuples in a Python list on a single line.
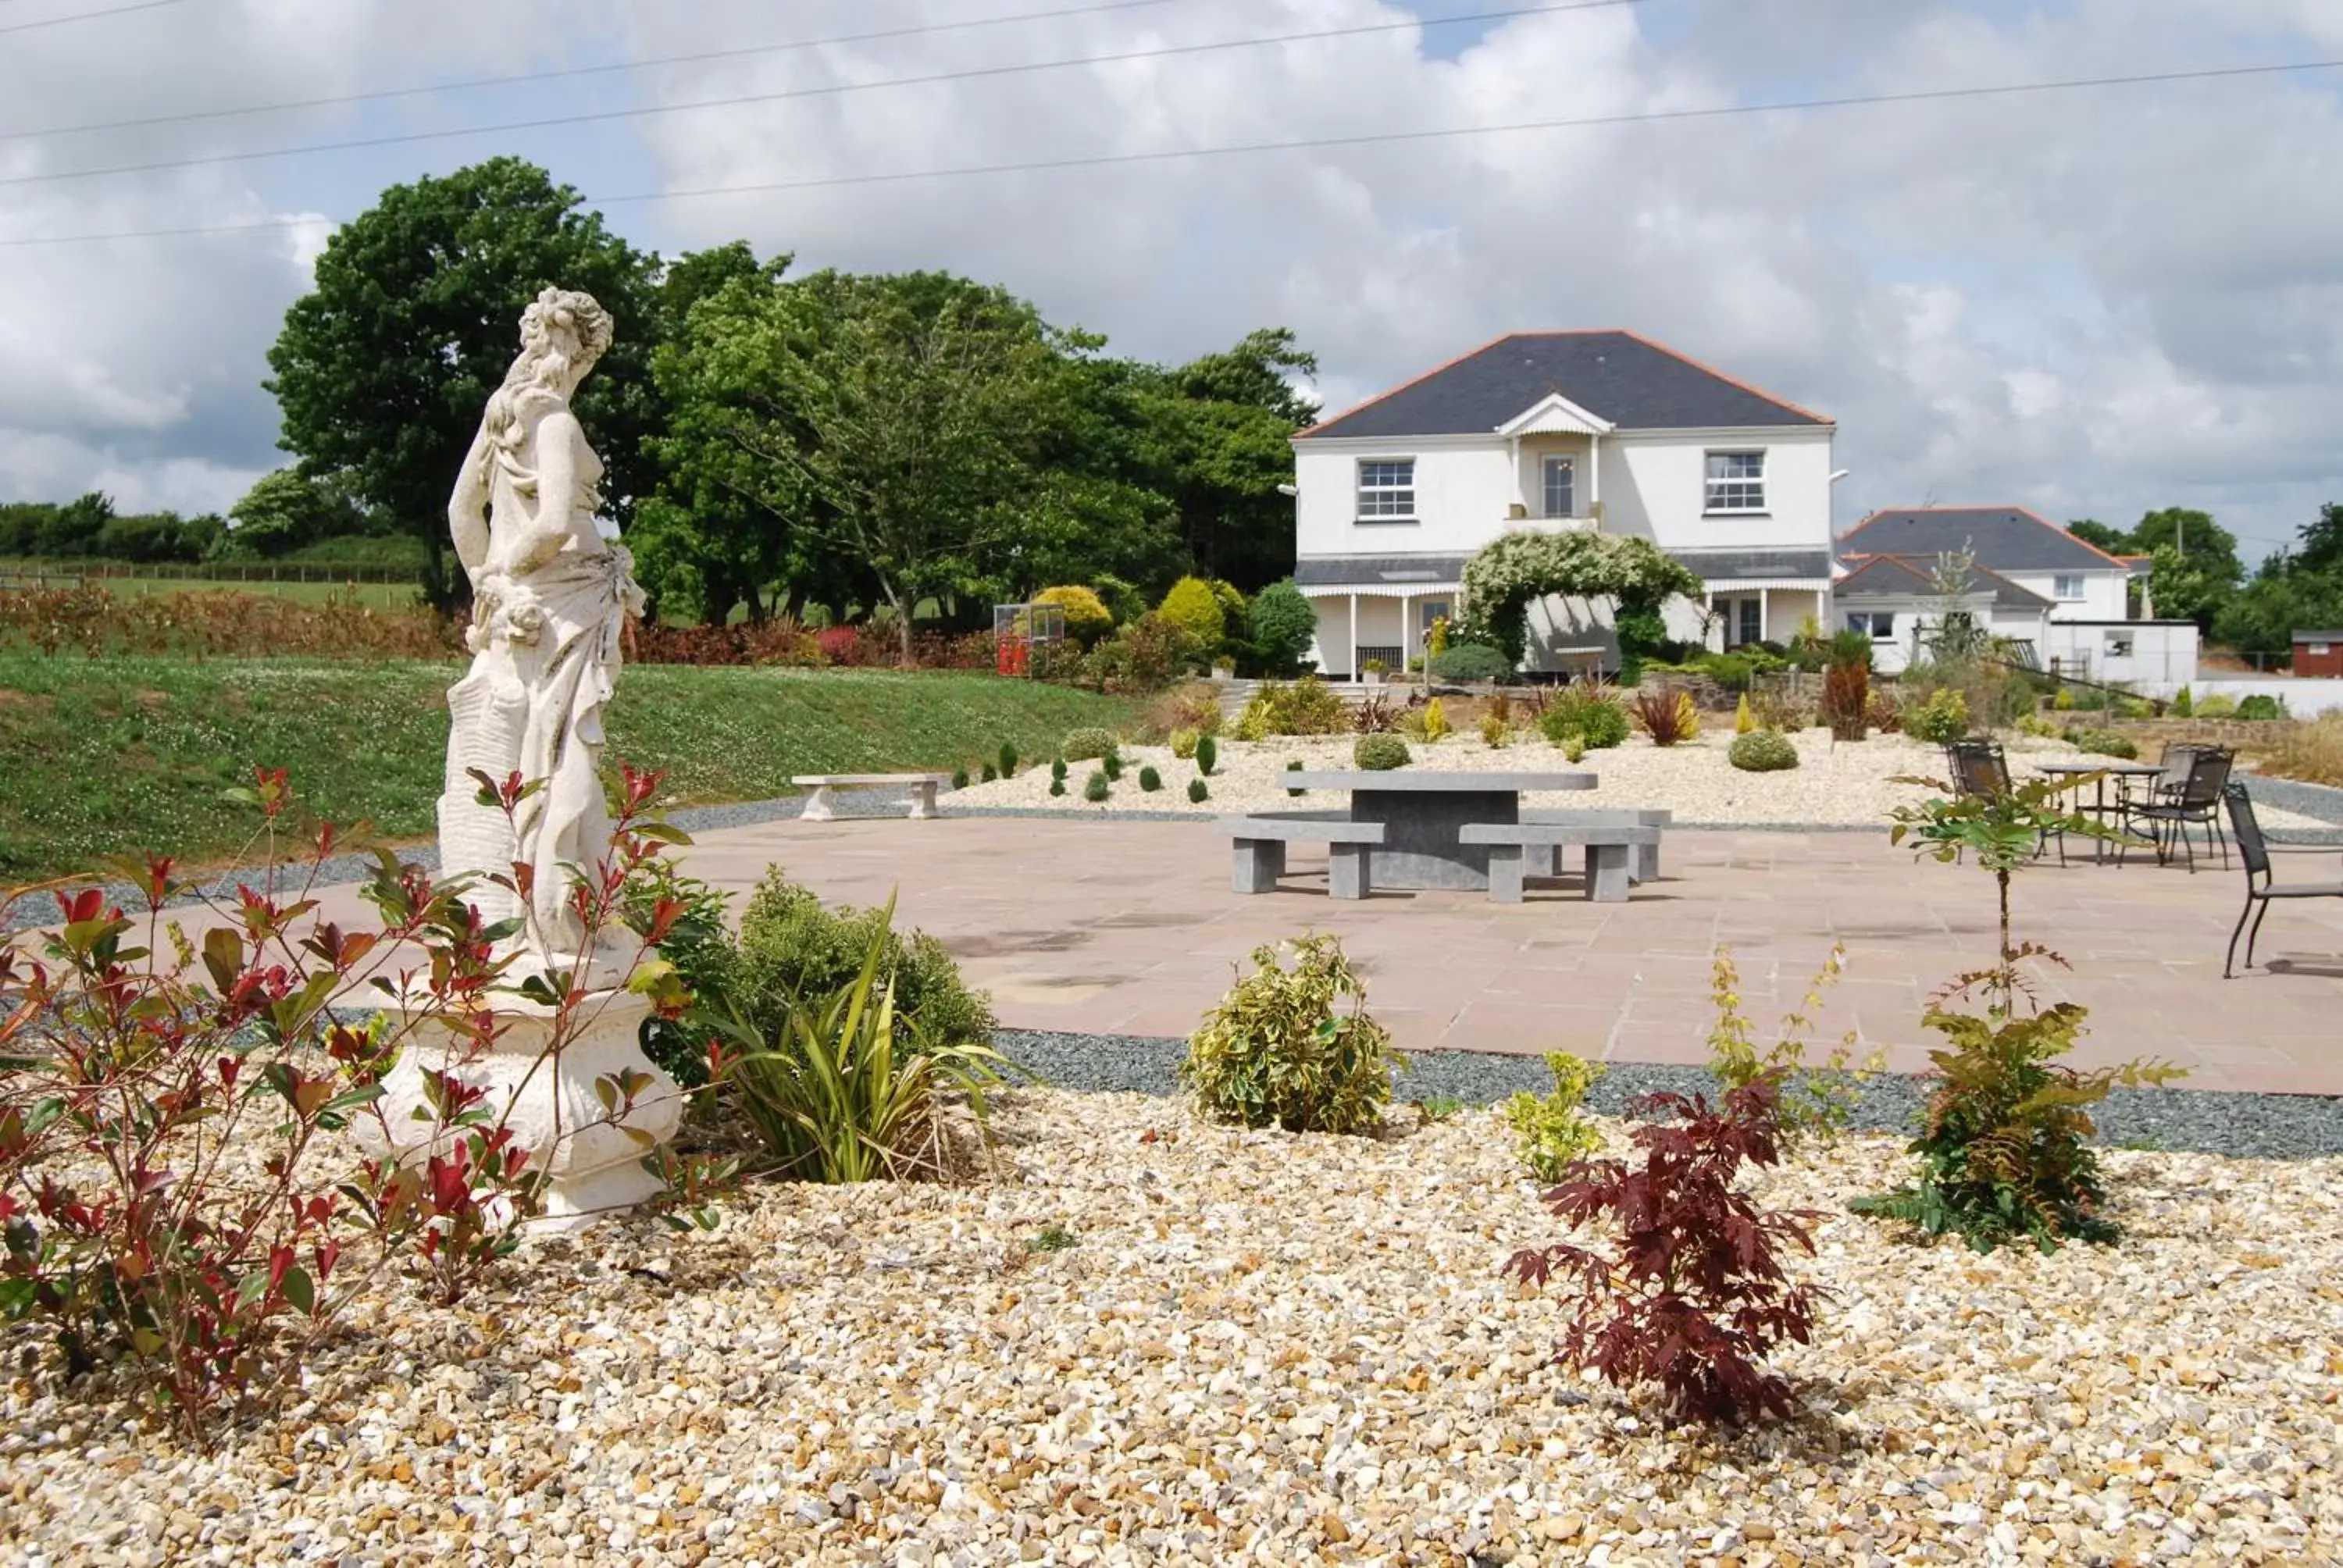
[(551, 597), (550, 600)]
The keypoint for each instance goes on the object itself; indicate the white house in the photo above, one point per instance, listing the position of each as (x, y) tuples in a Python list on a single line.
[(2063, 597), (1562, 430)]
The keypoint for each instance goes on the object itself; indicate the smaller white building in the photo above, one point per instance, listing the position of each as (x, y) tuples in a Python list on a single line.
[(2037, 585)]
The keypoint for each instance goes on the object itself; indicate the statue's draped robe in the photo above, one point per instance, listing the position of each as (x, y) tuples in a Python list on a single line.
[(547, 655)]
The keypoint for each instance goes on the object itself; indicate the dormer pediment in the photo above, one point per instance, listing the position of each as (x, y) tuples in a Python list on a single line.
[(1556, 414)]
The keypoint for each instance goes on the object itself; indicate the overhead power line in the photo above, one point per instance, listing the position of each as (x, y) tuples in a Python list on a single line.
[(571, 72), (832, 89), (87, 16), (1373, 138)]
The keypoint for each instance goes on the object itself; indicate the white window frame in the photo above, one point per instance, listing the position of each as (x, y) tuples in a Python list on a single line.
[(1730, 491), (1390, 496), (1880, 624), (2059, 582), (1569, 469)]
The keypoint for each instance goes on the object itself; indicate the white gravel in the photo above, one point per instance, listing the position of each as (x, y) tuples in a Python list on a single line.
[(1261, 1349), (1833, 785)]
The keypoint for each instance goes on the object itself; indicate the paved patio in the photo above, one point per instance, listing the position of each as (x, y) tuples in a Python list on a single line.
[(1128, 928)]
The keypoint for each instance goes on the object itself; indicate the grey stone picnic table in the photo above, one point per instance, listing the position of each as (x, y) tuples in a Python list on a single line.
[(1424, 811)]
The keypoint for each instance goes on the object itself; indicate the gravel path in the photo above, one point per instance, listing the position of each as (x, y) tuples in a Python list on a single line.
[(2209, 1121), (1833, 786), (1147, 1340)]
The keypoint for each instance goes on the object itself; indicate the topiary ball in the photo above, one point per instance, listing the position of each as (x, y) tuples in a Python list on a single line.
[(1149, 779), (1096, 786), (1196, 791), (1380, 753), (1762, 751)]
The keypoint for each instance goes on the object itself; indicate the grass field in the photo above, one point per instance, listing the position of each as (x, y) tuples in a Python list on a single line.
[(374, 595), (104, 757)]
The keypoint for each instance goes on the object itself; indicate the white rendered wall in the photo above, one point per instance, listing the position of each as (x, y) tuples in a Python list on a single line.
[(1655, 486), (2105, 593)]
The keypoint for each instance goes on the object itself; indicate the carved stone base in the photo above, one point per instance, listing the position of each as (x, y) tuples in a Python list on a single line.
[(595, 1174)]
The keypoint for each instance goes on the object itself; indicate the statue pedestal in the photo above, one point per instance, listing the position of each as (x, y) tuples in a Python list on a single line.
[(596, 1173)]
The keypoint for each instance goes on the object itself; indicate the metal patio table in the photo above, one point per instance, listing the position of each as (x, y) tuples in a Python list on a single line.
[(2110, 767), (1423, 813)]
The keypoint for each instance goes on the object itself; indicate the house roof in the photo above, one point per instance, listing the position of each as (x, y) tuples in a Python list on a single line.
[(2006, 538), (1398, 572), (1629, 381), (1901, 576), (1737, 566)]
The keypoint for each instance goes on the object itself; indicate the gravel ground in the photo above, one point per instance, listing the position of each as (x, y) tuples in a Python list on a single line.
[(1833, 786), (1261, 1348)]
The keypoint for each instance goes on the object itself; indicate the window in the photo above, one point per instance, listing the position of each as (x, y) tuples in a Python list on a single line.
[(1561, 487), (2067, 585), (2119, 645), (1878, 624), (1429, 610), (1753, 621), (1387, 490), (1736, 482)]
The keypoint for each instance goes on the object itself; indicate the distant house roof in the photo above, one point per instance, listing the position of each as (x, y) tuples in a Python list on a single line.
[(2318, 637), (1901, 576), (1628, 381), (2006, 538), (1748, 566), (1395, 571)]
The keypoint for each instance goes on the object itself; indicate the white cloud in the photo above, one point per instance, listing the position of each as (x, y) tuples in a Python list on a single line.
[(2093, 302)]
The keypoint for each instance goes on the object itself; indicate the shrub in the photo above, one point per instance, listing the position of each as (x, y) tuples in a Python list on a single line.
[(1088, 745), (1058, 769), (1008, 761), (1197, 793), (2134, 707), (2262, 706), (1495, 733), (2065, 701), (1694, 1294), (1207, 754), (1810, 1100), (1150, 781), (1666, 714), (2218, 707), (1097, 787), (2001, 1147), (989, 774), (1184, 743), (1057, 786), (1433, 721), (2034, 724), (1591, 712), (1941, 720), (1469, 661), (1762, 751), (1197, 613), (1294, 765), (1281, 624), (1883, 712), (1111, 766), (1777, 709), (1277, 1052), (1573, 748), (1087, 617), (2312, 751), (960, 778), (1846, 701), (1743, 722), (791, 944), (1304, 706), (2103, 743), (1549, 1130), (694, 919), (1379, 753), (1196, 707), (844, 1085), (2183, 704)]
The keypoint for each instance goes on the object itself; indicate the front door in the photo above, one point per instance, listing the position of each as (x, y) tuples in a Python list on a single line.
[(1742, 619)]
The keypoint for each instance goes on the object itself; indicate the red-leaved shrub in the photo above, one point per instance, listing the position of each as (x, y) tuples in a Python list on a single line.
[(1695, 1294)]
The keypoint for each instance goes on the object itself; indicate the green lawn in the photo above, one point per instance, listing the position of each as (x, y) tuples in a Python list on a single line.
[(374, 595), (103, 757)]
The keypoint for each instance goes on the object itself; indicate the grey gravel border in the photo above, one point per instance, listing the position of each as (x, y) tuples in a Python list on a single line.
[(2194, 1120)]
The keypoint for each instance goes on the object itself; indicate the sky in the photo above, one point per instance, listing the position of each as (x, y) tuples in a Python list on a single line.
[(2091, 302)]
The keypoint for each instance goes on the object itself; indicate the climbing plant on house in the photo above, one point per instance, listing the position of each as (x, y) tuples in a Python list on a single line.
[(1516, 569)]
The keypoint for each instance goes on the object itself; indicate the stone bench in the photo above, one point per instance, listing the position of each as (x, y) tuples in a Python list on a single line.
[(823, 807), (1610, 854), (1259, 844), (1647, 856)]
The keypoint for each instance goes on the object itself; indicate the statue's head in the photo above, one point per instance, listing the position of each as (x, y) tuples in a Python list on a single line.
[(562, 334)]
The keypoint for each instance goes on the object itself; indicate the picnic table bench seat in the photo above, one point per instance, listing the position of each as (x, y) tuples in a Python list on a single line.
[(1610, 852), (1646, 868), (823, 807), (1258, 849)]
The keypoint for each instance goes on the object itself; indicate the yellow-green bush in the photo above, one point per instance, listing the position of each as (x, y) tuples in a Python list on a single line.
[(1548, 1131), (1193, 608), (1087, 617), (1276, 1051)]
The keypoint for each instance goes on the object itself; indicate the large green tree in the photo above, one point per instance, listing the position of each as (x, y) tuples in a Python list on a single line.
[(382, 368), (1220, 429)]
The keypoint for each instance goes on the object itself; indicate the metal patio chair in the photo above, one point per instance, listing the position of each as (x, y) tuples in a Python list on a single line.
[(2169, 811), (2261, 886)]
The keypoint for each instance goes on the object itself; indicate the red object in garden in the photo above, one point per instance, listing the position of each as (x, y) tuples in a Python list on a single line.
[(1014, 656)]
